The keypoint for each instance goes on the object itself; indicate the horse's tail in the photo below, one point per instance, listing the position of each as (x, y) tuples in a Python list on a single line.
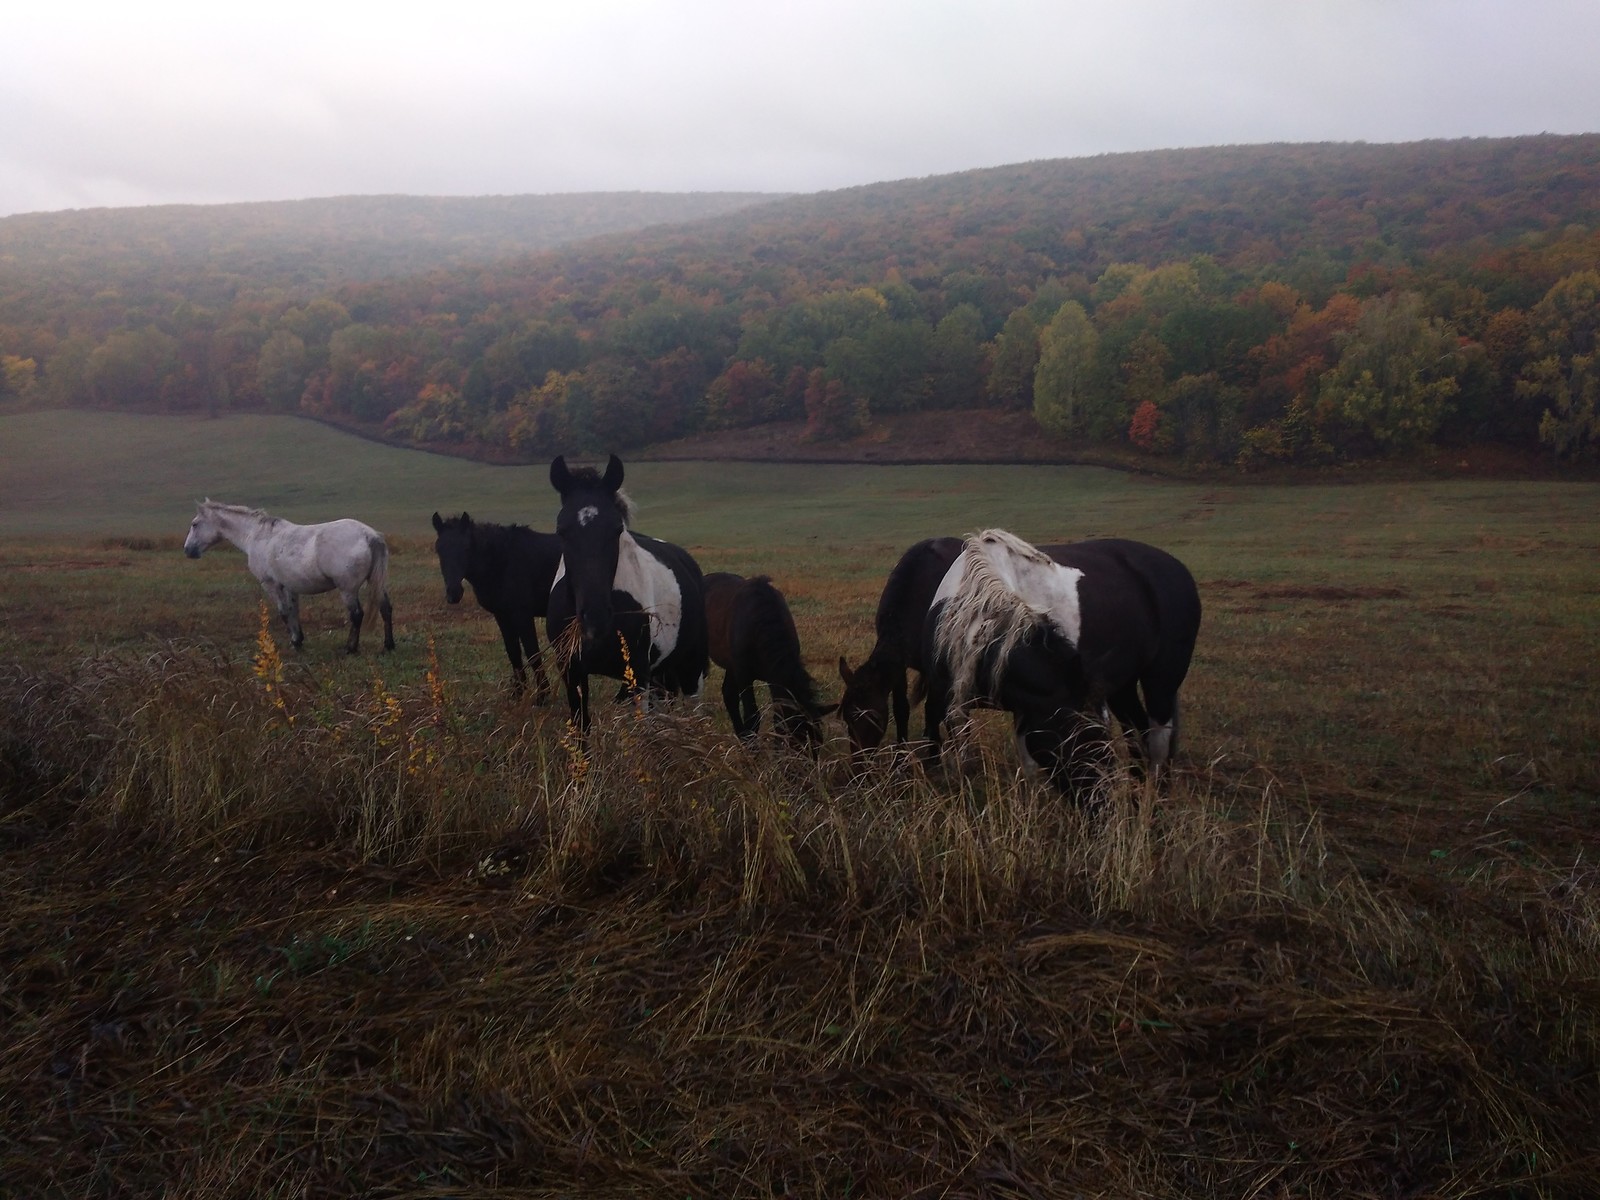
[(984, 617), (378, 576)]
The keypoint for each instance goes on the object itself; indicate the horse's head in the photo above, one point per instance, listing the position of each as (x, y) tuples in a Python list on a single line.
[(593, 516), (205, 531), (1071, 751), (865, 704), (454, 548), (798, 720)]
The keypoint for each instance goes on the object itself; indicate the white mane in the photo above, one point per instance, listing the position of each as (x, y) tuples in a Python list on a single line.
[(1000, 590), (234, 510)]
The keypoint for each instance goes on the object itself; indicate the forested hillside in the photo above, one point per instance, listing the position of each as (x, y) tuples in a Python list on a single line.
[(1284, 303)]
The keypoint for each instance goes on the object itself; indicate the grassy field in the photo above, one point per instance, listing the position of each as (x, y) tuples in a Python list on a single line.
[(370, 926)]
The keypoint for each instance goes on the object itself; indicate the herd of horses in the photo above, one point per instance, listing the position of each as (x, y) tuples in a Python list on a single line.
[(1062, 637)]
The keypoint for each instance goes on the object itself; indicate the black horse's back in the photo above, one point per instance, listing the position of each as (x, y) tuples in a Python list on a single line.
[(907, 596), (1141, 618)]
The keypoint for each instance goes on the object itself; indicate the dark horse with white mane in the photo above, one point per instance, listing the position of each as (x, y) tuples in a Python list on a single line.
[(510, 568), (621, 588), (1051, 637), (753, 636), (292, 560)]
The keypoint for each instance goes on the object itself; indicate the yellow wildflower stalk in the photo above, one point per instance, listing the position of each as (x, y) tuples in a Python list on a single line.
[(268, 665)]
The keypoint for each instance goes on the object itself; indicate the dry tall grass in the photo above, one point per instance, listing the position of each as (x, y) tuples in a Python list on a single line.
[(269, 938)]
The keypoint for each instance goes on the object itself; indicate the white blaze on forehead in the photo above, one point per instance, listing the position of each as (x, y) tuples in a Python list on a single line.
[(651, 582), (587, 513)]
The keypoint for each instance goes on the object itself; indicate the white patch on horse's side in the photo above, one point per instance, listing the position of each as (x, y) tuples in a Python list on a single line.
[(998, 589), (651, 582), (1158, 743), (587, 513)]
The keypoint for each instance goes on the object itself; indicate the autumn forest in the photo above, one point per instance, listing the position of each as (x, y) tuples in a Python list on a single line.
[(1250, 306)]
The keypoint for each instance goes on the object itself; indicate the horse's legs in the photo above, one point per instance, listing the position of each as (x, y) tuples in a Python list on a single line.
[(1161, 738), (352, 606), (935, 708), (288, 606), (739, 699), (513, 644), (902, 705), (577, 698), (1135, 722), (530, 644), (386, 611)]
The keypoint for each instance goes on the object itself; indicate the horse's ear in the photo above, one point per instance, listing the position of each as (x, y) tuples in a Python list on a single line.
[(438, 525), (845, 673), (613, 476), (560, 477), (466, 519)]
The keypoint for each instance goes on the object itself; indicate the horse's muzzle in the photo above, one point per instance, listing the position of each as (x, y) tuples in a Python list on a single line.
[(191, 551), (452, 593)]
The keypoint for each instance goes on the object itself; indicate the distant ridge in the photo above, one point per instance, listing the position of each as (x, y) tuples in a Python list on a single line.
[(343, 237)]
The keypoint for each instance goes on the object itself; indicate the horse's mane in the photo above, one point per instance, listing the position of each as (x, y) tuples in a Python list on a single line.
[(985, 615), (588, 477), (238, 510)]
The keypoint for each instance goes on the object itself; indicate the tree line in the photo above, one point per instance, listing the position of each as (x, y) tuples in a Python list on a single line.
[(1251, 306)]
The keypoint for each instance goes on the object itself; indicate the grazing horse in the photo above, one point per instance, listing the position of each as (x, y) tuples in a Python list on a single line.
[(295, 560), (902, 610), (638, 604), (510, 568), (752, 636), (1052, 636)]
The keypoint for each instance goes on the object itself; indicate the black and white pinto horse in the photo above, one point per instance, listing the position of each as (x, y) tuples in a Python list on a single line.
[(292, 560), (638, 604), (510, 568), (753, 637), (1056, 638)]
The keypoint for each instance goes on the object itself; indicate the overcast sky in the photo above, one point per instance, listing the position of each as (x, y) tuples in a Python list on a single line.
[(162, 102)]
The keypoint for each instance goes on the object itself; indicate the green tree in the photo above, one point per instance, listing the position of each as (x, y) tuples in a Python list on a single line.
[(1397, 374), (1016, 358), (1563, 371), (128, 369), (957, 358), (1067, 349), (281, 370), (18, 378)]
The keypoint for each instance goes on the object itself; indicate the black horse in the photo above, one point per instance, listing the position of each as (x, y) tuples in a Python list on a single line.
[(752, 636), (881, 677), (637, 604), (1055, 634), (510, 568)]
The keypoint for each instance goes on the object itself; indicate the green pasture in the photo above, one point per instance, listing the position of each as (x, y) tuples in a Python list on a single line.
[(1411, 643)]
